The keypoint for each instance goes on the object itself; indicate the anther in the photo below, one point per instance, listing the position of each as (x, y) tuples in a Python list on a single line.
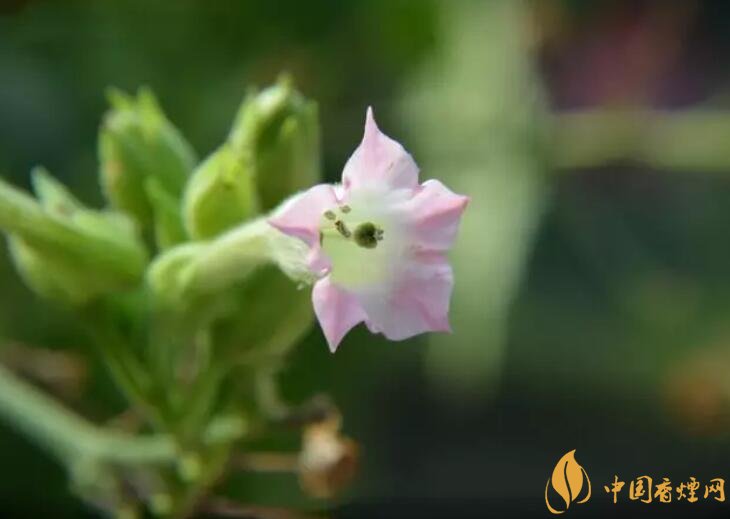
[(345, 208), (329, 215), (342, 229)]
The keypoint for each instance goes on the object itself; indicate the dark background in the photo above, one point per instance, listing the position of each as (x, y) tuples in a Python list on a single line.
[(613, 337)]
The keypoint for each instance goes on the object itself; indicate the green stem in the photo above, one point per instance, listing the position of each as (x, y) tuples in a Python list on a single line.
[(187, 501), (268, 396), (126, 371), (689, 140), (67, 435), (200, 402), (70, 437)]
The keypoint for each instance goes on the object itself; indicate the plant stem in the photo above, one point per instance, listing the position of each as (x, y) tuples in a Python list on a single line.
[(126, 371), (69, 437), (189, 499)]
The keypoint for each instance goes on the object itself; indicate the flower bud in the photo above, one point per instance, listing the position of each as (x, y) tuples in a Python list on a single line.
[(168, 226), (137, 142), (221, 193), (280, 127), (64, 251)]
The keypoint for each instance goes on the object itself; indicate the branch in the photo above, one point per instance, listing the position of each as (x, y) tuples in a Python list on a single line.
[(68, 436)]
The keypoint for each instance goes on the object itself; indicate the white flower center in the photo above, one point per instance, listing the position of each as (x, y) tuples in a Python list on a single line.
[(362, 240)]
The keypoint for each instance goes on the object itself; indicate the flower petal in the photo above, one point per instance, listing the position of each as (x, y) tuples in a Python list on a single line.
[(419, 303), (433, 216), (379, 162), (337, 310), (300, 215), (317, 261)]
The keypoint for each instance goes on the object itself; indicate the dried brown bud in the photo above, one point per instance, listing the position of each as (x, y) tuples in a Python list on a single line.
[(328, 461)]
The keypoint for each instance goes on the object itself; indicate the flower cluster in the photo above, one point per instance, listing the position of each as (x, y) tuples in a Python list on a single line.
[(190, 281)]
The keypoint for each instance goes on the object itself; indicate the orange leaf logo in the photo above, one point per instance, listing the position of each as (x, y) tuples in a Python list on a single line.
[(570, 482)]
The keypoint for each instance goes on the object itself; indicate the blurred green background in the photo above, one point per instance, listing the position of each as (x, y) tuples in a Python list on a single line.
[(592, 302)]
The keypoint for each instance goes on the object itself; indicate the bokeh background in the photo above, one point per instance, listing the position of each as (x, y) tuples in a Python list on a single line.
[(592, 306)]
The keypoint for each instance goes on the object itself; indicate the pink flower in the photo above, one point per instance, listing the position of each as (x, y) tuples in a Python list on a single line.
[(377, 243)]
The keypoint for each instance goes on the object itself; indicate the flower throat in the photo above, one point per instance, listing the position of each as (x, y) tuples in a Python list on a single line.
[(364, 234)]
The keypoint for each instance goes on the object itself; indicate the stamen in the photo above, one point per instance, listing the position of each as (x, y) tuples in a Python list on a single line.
[(345, 208), (330, 215), (342, 229), (367, 235)]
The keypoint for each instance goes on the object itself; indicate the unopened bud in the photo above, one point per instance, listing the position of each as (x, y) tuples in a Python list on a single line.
[(280, 127), (137, 142), (65, 251), (221, 194)]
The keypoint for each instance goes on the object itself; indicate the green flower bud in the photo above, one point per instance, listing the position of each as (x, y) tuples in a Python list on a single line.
[(136, 143), (58, 280), (221, 194), (53, 196), (64, 251), (169, 229), (280, 128)]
